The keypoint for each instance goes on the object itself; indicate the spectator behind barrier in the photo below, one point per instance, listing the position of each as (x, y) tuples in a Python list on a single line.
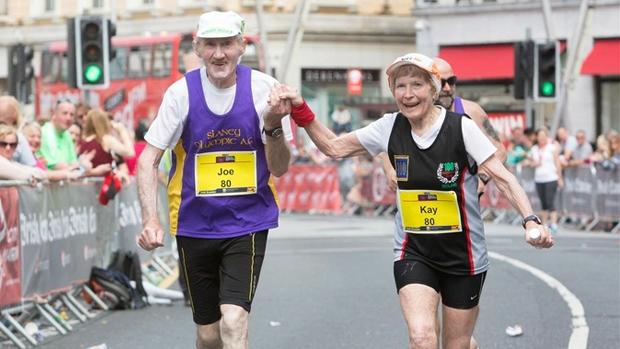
[(10, 115), (57, 146), (32, 132), (582, 152), (603, 150), (10, 169), (99, 138)]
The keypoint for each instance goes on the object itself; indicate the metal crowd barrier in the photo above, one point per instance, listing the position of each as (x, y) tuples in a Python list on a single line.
[(590, 197), (51, 235)]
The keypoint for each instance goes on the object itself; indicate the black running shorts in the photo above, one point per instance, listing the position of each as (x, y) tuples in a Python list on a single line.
[(457, 291), (221, 271)]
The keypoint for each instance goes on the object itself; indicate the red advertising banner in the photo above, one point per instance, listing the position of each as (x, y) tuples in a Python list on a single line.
[(10, 247), (504, 122), (309, 188)]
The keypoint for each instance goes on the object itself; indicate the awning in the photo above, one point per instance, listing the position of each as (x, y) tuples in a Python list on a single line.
[(480, 62), (604, 59)]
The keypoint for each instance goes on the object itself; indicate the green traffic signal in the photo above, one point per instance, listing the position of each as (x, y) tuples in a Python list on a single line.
[(547, 88), (93, 73)]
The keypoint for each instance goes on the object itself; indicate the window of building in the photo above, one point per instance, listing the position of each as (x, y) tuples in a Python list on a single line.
[(4, 10), (50, 6), (610, 108), (98, 4)]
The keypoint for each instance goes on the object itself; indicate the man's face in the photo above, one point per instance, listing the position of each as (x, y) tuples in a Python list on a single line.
[(581, 138), (63, 116), (448, 86), (220, 56)]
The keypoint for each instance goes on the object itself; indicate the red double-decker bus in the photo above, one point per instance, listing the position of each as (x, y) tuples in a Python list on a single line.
[(140, 73)]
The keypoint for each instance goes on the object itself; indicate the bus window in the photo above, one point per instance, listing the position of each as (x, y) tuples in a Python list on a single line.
[(162, 60), (50, 67), (118, 66), (139, 58)]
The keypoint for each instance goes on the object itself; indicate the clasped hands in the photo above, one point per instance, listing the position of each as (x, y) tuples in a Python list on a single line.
[(284, 100)]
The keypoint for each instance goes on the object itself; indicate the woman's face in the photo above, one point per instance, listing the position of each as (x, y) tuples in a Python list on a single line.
[(414, 96), (541, 137), (8, 143), (33, 135), (75, 132)]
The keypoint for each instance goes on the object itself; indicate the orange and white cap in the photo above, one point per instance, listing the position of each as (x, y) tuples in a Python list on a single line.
[(419, 60)]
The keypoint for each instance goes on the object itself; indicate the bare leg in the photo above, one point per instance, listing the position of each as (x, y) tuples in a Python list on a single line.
[(458, 327), (419, 305), (234, 326), (208, 336)]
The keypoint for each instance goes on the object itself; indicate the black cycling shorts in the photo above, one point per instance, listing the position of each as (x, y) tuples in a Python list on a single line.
[(546, 193), (221, 271), (457, 291)]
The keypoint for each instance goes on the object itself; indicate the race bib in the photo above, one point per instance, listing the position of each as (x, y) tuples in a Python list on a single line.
[(429, 212), (225, 173)]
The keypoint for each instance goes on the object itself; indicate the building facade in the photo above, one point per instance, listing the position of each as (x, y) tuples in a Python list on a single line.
[(339, 36), (477, 37)]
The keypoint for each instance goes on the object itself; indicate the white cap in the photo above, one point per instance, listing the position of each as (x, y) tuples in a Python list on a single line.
[(216, 24), (420, 61)]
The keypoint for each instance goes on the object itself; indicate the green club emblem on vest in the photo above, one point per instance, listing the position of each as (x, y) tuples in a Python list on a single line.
[(448, 172)]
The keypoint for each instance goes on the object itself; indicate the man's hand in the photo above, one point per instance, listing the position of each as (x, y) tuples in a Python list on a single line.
[(151, 236), (544, 241), (278, 108)]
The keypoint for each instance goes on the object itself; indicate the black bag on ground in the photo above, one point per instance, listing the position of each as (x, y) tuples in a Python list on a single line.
[(128, 263), (116, 283)]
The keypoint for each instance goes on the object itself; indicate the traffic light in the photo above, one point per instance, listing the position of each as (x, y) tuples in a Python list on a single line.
[(20, 72), (89, 52), (523, 69), (547, 70)]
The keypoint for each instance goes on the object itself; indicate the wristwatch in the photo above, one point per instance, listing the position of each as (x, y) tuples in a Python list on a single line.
[(274, 132), (531, 217)]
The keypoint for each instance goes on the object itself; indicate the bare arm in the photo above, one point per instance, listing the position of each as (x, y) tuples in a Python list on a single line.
[(388, 170), (510, 187), (481, 119), (151, 236), (336, 147), (278, 155)]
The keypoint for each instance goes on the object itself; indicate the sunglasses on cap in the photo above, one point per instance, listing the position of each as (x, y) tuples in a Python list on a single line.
[(12, 145), (451, 81)]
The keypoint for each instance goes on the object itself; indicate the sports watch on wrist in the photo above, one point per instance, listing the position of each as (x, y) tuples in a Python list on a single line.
[(274, 132), (531, 217)]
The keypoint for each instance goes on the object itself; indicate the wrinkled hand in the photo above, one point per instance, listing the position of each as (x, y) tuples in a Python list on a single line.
[(544, 241), (291, 93), (151, 236), (277, 107)]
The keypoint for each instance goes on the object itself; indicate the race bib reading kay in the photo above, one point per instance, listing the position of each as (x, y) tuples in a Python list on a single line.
[(429, 212), (225, 173)]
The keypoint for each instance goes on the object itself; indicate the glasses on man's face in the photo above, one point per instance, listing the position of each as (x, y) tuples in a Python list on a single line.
[(11, 145), (451, 81)]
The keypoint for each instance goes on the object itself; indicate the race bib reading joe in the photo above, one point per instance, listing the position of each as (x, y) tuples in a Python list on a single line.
[(429, 212), (225, 173)]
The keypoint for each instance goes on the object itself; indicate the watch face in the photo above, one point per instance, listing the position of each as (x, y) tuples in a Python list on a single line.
[(276, 132)]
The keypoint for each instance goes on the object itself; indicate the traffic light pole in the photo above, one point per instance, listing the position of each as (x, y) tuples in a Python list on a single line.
[(571, 66), (529, 117)]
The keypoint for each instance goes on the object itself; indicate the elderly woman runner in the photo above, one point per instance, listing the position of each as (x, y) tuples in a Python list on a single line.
[(439, 247)]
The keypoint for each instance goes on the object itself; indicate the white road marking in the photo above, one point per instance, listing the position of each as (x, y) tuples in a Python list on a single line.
[(579, 336)]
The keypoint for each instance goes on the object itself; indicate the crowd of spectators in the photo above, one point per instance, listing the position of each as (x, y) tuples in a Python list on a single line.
[(75, 142), (575, 150)]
